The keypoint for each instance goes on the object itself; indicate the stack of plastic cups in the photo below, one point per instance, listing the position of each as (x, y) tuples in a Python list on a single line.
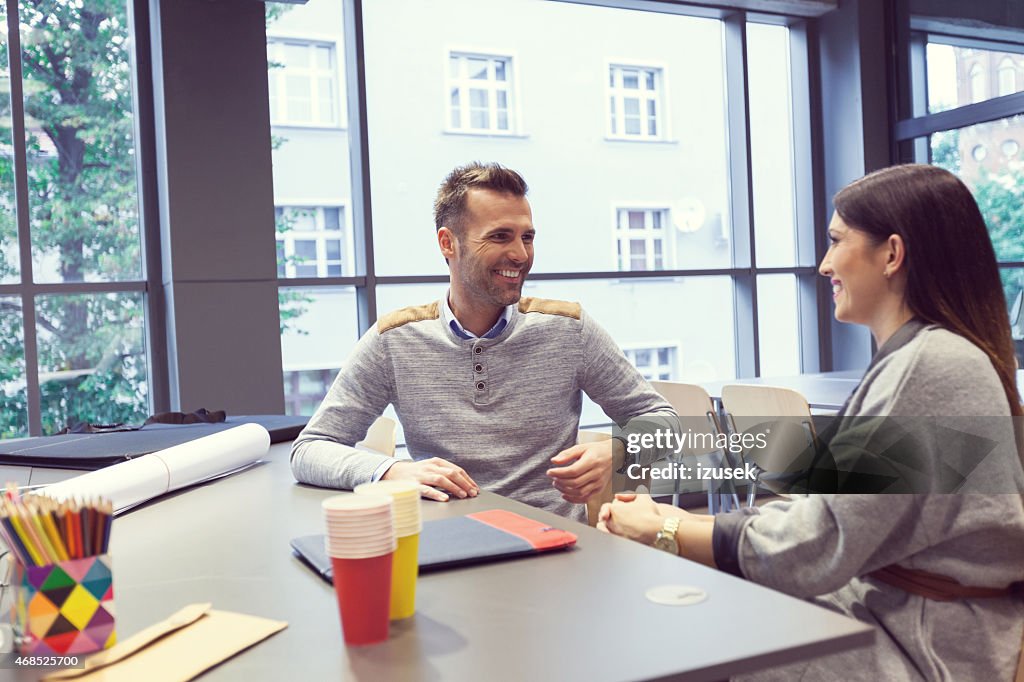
[(360, 541), (408, 524)]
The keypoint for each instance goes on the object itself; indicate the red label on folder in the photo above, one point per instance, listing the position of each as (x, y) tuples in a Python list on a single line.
[(540, 536)]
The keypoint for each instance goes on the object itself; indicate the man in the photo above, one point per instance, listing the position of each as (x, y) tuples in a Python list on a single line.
[(486, 383)]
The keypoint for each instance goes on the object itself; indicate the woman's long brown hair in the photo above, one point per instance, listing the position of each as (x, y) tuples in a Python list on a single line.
[(952, 276)]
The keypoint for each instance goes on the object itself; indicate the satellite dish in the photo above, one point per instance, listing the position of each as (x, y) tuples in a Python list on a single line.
[(688, 214)]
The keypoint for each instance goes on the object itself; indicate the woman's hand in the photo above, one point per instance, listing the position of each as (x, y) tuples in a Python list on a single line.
[(639, 518), (632, 516)]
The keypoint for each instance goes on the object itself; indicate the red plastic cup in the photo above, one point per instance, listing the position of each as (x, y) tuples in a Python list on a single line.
[(363, 588)]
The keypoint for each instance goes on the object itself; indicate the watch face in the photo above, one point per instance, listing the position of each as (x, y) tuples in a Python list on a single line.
[(665, 544)]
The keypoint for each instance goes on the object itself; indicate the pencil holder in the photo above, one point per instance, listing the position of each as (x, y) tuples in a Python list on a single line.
[(64, 608)]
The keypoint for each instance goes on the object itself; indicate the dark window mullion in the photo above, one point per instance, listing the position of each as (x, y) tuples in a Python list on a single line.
[(359, 161), (741, 194), (28, 304)]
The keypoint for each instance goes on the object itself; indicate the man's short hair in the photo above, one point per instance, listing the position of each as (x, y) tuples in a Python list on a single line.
[(450, 204)]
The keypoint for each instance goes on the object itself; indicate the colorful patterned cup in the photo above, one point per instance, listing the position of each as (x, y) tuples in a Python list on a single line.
[(65, 608)]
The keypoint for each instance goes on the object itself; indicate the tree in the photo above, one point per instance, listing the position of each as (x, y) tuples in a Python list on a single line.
[(83, 212)]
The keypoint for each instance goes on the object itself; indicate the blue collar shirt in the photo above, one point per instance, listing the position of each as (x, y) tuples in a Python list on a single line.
[(463, 333)]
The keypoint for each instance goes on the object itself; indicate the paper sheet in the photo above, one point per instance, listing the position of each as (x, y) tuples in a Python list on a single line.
[(149, 476)]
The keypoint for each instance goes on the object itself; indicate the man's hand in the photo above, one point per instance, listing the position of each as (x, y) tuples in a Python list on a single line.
[(582, 470), (434, 473)]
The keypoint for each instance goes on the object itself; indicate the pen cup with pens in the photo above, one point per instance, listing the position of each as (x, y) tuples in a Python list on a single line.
[(62, 578)]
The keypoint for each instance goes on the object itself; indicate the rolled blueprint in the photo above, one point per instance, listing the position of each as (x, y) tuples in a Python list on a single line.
[(143, 478)]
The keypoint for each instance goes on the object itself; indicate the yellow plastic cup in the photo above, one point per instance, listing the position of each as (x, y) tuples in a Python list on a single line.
[(404, 569)]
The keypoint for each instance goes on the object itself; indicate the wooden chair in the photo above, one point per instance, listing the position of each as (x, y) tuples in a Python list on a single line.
[(782, 411), (618, 482), (380, 437), (697, 414)]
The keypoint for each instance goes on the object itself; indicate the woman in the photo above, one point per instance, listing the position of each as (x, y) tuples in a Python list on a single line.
[(910, 258)]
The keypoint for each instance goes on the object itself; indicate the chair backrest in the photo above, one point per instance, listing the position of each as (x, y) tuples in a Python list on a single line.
[(380, 437), (595, 501), (618, 482), (782, 415), (695, 409)]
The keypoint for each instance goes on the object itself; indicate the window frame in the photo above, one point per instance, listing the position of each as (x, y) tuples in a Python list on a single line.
[(279, 103), (631, 349), (814, 318), (464, 53), (621, 236), (614, 95), (915, 125), (320, 235), (147, 284)]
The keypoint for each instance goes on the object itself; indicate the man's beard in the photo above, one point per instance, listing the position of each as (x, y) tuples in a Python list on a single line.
[(480, 283)]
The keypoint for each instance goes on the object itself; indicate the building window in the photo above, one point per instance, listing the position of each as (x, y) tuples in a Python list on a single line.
[(977, 83), (480, 93), (1007, 77), (654, 364), (303, 83), (311, 241), (641, 236), (635, 103), (304, 389)]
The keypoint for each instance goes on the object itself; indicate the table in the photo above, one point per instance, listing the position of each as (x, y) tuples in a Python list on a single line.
[(823, 390), (574, 615)]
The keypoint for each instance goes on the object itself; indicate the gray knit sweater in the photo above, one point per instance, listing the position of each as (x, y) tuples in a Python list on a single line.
[(819, 547), (500, 408)]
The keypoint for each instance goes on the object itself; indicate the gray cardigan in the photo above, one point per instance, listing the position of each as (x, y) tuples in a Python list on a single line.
[(821, 547), (500, 408)]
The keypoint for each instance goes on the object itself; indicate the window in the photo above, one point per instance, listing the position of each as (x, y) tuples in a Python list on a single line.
[(655, 364), (1007, 77), (480, 93), (305, 389), (72, 305), (303, 83), (311, 242), (634, 99), (976, 79), (641, 238)]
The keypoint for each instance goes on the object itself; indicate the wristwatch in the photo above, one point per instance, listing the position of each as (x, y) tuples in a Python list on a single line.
[(665, 540)]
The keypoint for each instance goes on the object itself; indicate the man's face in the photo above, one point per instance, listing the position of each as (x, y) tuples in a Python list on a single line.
[(490, 257)]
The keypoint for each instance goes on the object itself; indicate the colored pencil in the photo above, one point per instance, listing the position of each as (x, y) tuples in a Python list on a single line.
[(40, 531)]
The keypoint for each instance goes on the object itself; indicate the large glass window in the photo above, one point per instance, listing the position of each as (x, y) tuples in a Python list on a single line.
[(959, 75), (564, 58), (82, 214), (94, 368), (620, 122), (961, 70), (312, 195), (771, 145), (318, 331), (778, 314)]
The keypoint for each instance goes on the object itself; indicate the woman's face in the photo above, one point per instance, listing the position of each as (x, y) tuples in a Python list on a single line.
[(856, 269)]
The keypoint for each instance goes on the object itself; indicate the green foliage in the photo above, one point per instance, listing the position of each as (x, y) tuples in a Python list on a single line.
[(1001, 200), (946, 150), (83, 213)]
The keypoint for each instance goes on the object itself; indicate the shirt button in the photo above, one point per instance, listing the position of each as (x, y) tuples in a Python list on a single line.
[(480, 386), (479, 368), (478, 350)]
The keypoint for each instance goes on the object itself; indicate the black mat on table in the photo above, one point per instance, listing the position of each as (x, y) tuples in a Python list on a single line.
[(88, 451)]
